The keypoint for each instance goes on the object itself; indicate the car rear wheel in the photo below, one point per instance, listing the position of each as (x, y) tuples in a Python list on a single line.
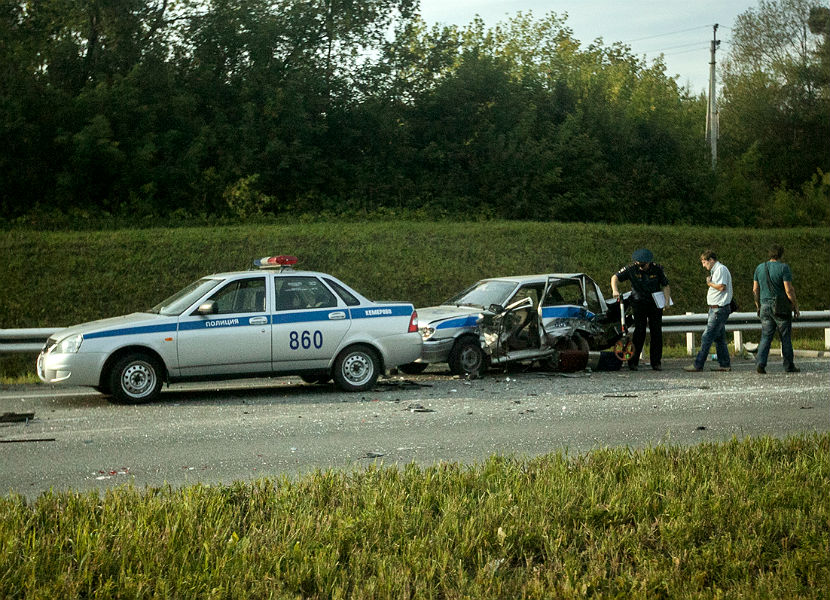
[(466, 357), (581, 343), (562, 345), (356, 369), (135, 379), (413, 368)]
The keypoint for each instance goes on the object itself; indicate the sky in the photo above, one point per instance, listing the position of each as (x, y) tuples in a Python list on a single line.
[(681, 29)]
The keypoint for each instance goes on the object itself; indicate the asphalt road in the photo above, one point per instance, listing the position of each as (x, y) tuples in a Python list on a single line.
[(245, 430)]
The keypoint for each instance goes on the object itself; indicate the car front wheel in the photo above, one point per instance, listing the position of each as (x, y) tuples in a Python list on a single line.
[(356, 369), (466, 357), (135, 379)]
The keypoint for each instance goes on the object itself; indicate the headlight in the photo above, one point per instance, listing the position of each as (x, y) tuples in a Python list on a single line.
[(427, 331), (69, 345)]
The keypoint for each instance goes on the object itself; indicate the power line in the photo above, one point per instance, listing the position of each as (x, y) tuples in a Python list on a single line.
[(689, 45), (698, 49), (648, 37)]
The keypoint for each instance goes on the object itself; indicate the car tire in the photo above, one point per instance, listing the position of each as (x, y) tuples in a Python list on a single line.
[(413, 368), (562, 345), (581, 343), (356, 369), (466, 357), (135, 379)]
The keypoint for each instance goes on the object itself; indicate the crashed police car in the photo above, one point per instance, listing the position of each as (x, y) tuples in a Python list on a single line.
[(524, 318), (272, 320)]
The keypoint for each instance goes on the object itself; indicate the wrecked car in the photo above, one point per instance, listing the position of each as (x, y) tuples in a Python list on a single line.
[(522, 318)]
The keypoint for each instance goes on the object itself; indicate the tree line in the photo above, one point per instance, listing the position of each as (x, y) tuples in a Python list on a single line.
[(243, 108)]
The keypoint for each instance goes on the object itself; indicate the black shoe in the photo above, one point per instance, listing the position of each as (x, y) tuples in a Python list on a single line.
[(761, 371), (657, 367), (633, 367), (793, 369)]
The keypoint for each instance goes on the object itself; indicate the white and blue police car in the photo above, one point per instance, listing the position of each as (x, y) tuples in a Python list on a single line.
[(517, 318), (272, 320)]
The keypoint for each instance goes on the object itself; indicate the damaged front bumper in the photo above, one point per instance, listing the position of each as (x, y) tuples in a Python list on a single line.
[(436, 351)]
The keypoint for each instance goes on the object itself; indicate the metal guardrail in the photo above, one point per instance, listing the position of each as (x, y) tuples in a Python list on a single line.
[(25, 340), (738, 322), (32, 340)]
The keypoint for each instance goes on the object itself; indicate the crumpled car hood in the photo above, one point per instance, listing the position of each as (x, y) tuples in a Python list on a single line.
[(435, 314), (439, 315)]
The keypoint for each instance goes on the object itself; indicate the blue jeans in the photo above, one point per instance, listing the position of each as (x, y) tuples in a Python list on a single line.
[(715, 332), (769, 323)]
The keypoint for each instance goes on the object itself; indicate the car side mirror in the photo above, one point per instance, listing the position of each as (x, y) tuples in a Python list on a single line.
[(496, 308), (208, 308)]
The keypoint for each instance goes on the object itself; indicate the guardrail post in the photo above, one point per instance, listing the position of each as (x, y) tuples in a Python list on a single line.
[(690, 340), (738, 338), (827, 339)]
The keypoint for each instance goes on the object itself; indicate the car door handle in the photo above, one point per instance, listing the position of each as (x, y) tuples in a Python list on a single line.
[(258, 320), (337, 315)]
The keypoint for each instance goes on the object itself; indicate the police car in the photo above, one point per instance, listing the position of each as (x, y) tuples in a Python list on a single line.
[(521, 318), (272, 320)]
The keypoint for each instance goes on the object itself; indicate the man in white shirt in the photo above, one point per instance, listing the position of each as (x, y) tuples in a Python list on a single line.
[(718, 297)]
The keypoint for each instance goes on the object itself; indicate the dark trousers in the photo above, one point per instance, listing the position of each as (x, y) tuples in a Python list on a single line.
[(770, 323), (647, 313)]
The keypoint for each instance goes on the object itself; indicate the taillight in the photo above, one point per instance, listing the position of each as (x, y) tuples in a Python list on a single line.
[(413, 322)]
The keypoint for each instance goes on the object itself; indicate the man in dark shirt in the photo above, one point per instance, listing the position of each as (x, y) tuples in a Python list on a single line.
[(775, 279), (647, 278)]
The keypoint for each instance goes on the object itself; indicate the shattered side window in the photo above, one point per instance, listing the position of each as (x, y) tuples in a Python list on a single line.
[(566, 292), (527, 291), (594, 304)]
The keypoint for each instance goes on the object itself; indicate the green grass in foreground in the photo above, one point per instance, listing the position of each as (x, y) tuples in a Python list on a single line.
[(742, 519)]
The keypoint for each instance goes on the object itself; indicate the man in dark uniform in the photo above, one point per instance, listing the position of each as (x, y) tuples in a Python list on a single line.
[(646, 279)]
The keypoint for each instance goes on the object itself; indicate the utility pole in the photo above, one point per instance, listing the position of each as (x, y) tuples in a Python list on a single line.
[(712, 110)]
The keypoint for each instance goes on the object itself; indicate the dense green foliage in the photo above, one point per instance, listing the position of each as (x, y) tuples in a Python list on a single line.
[(742, 519), (55, 279), (211, 108)]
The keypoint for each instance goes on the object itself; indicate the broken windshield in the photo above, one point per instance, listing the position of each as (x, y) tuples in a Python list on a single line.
[(484, 293)]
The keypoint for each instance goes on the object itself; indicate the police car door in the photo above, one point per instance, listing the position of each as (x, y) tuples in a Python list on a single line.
[(308, 324), (563, 302), (233, 336)]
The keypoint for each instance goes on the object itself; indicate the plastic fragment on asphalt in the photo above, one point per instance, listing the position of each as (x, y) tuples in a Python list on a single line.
[(13, 417), (405, 384)]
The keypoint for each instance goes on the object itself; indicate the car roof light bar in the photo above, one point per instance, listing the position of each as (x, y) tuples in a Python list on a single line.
[(283, 261)]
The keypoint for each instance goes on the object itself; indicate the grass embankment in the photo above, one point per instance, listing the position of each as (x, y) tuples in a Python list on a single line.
[(57, 278), (741, 519), (53, 279)]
